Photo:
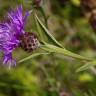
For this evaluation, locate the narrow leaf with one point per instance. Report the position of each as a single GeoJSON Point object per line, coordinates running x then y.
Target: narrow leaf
{"type": "Point", "coordinates": [39, 30]}
{"type": "Point", "coordinates": [47, 32]}
{"type": "Point", "coordinates": [32, 56]}
{"type": "Point", "coordinates": [86, 66]}
{"type": "Point", "coordinates": [52, 48]}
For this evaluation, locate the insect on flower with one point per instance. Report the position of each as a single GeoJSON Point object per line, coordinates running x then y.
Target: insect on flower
{"type": "Point", "coordinates": [12, 35]}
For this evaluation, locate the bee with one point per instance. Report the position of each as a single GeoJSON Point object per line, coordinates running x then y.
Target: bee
{"type": "Point", "coordinates": [29, 41]}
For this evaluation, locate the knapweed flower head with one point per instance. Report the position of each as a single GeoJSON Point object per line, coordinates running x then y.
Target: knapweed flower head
{"type": "Point", "coordinates": [11, 34]}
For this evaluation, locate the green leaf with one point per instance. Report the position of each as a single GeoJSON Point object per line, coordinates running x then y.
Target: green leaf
{"type": "Point", "coordinates": [47, 32]}
{"type": "Point", "coordinates": [32, 56]}
{"type": "Point", "coordinates": [87, 66]}
{"type": "Point", "coordinates": [42, 36]}
{"type": "Point", "coordinates": [52, 48]}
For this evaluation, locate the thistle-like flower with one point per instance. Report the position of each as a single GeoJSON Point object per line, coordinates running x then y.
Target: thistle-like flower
{"type": "Point", "coordinates": [11, 34]}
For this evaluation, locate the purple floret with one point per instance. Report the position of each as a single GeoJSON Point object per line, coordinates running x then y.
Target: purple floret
{"type": "Point", "coordinates": [17, 20]}
{"type": "Point", "coordinates": [10, 33]}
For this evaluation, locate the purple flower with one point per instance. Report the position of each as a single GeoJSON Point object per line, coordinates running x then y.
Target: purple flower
{"type": "Point", "coordinates": [10, 33]}
{"type": "Point", "coordinates": [17, 20]}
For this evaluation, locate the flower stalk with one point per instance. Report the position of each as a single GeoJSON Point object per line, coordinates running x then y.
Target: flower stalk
{"type": "Point", "coordinates": [55, 49]}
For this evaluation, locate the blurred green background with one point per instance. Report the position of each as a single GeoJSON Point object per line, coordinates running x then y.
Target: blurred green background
{"type": "Point", "coordinates": [53, 74]}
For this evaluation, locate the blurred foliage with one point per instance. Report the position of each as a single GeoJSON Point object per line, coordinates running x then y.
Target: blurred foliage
{"type": "Point", "coordinates": [52, 74]}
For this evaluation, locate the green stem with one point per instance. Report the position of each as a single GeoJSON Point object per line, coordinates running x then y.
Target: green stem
{"type": "Point", "coordinates": [32, 56]}
{"type": "Point", "coordinates": [52, 48]}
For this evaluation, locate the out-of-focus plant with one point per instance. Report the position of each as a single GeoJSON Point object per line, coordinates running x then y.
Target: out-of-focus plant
{"type": "Point", "coordinates": [52, 72]}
